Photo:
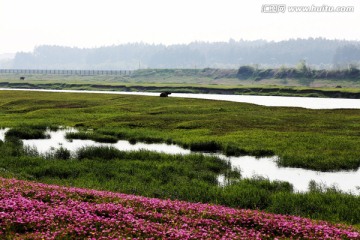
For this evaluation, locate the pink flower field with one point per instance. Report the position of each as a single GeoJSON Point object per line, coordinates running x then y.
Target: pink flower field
{"type": "Point", "coordinates": [38, 211]}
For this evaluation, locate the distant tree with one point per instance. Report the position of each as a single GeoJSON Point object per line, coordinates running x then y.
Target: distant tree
{"type": "Point", "coordinates": [282, 72]}
{"type": "Point", "coordinates": [303, 69]}
{"type": "Point", "coordinates": [301, 66]}
{"type": "Point", "coordinates": [246, 72]}
{"type": "Point", "coordinates": [231, 54]}
{"type": "Point", "coordinates": [353, 71]}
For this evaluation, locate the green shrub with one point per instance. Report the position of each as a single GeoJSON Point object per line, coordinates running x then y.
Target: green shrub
{"type": "Point", "coordinates": [26, 133]}
{"type": "Point", "coordinates": [62, 153]}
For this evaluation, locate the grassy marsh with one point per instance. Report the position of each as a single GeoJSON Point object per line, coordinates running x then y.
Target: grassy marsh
{"type": "Point", "coordinates": [316, 139]}
{"type": "Point", "coordinates": [223, 81]}
{"type": "Point", "coordinates": [190, 177]}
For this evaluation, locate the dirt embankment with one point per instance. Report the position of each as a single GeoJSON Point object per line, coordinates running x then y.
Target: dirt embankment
{"type": "Point", "coordinates": [193, 89]}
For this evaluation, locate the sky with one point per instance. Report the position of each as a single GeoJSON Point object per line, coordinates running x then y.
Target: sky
{"type": "Point", "coordinates": [25, 24]}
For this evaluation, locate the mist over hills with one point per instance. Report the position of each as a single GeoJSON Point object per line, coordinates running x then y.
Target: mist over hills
{"type": "Point", "coordinates": [317, 52]}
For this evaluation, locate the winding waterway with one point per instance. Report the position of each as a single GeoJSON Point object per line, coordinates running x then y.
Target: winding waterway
{"type": "Point", "coordinates": [348, 181]}
{"type": "Point", "coordinates": [273, 101]}
{"type": "Point", "coordinates": [249, 166]}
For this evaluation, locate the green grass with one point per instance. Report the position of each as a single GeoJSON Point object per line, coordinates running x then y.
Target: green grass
{"type": "Point", "coordinates": [27, 132]}
{"type": "Point", "coordinates": [92, 136]}
{"type": "Point", "coordinates": [251, 89]}
{"type": "Point", "coordinates": [316, 139]}
{"type": "Point", "coordinates": [185, 177]}
{"type": "Point", "coordinates": [222, 81]}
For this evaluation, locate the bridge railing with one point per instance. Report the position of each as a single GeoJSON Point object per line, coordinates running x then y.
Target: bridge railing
{"type": "Point", "coordinates": [66, 72]}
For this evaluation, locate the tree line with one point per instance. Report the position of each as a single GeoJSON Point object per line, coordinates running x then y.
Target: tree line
{"type": "Point", "coordinates": [300, 71]}
{"type": "Point", "coordinates": [319, 53]}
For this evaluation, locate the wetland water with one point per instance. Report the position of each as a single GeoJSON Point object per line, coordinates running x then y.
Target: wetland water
{"type": "Point", "coordinates": [249, 166]}
{"type": "Point", "coordinates": [275, 101]}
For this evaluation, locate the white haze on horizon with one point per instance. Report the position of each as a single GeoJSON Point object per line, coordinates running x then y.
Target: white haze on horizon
{"type": "Point", "coordinates": [26, 24]}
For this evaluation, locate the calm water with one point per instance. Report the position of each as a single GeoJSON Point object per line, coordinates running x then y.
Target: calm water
{"type": "Point", "coordinates": [249, 166]}
{"type": "Point", "coordinates": [276, 101]}
{"type": "Point", "coordinates": [300, 178]}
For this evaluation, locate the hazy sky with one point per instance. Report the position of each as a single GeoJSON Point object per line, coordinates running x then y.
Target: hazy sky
{"type": "Point", "coordinates": [25, 24]}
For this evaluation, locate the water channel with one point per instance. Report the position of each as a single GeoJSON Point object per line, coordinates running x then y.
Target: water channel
{"type": "Point", "coordinates": [249, 166]}
{"type": "Point", "coordinates": [273, 101]}
{"type": "Point", "coordinates": [348, 181]}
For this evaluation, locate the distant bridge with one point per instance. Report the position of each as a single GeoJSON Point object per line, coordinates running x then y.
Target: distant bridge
{"type": "Point", "coordinates": [67, 72]}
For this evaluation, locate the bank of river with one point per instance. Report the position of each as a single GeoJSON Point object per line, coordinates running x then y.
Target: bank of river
{"type": "Point", "coordinates": [276, 101]}
{"type": "Point", "coordinates": [198, 89]}
{"type": "Point", "coordinates": [249, 166]}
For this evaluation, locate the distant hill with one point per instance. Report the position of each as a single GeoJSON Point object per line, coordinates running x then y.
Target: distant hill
{"type": "Point", "coordinates": [318, 53]}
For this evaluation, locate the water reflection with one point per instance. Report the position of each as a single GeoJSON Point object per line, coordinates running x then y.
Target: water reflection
{"type": "Point", "coordinates": [57, 140]}
{"type": "Point", "coordinates": [300, 178]}
{"type": "Point", "coordinates": [348, 181]}
{"type": "Point", "coordinates": [2, 133]}
{"type": "Point", "coordinates": [281, 101]}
